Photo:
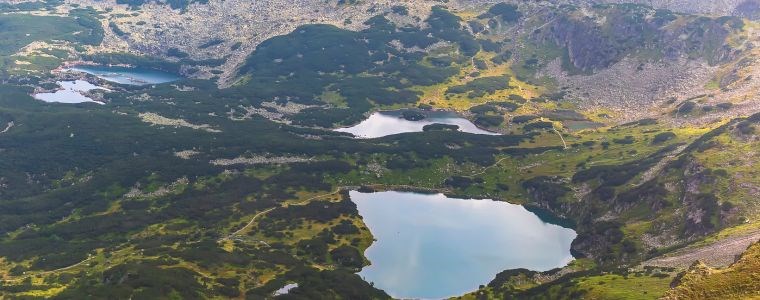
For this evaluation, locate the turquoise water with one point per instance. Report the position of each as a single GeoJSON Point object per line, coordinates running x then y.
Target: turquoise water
{"type": "Point", "coordinates": [384, 123]}
{"type": "Point", "coordinates": [432, 246]}
{"type": "Point", "coordinates": [132, 76]}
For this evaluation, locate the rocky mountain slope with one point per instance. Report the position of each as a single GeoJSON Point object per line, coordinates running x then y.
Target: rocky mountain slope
{"type": "Point", "coordinates": [737, 281]}
{"type": "Point", "coordinates": [739, 8]}
{"type": "Point", "coordinates": [637, 126]}
{"type": "Point", "coordinates": [642, 57]}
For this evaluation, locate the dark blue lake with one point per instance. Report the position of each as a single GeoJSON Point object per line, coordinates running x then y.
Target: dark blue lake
{"type": "Point", "coordinates": [124, 75]}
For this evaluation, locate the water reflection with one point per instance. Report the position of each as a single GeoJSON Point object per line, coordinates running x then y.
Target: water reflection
{"type": "Point", "coordinates": [432, 246]}
{"type": "Point", "coordinates": [124, 75]}
{"type": "Point", "coordinates": [71, 92]}
{"type": "Point", "coordinates": [385, 123]}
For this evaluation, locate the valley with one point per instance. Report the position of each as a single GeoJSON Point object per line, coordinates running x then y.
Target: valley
{"type": "Point", "coordinates": [302, 150]}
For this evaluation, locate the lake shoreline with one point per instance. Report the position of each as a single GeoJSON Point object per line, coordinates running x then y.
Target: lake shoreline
{"type": "Point", "coordinates": [124, 75]}
{"type": "Point", "coordinates": [459, 113]}
{"type": "Point", "coordinates": [401, 220]}
{"type": "Point", "coordinates": [381, 123]}
{"type": "Point", "coordinates": [545, 214]}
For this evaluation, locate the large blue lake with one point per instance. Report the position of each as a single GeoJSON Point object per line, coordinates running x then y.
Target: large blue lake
{"type": "Point", "coordinates": [124, 75]}
{"type": "Point", "coordinates": [384, 123]}
{"type": "Point", "coordinates": [431, 246]}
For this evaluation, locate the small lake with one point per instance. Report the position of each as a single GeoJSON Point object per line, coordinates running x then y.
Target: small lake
{"type": "Point", "coordinates": [71, 92]}
{"type": "Point", "coordinates": [385, 123]}
{"type": "Point", "coordinates": [124, 75]}
{"type": "Point", "coordinates": [431, 246]}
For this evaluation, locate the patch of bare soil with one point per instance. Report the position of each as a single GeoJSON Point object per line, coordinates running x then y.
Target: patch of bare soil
{"type": "Point", "coordinates": [719, 254]}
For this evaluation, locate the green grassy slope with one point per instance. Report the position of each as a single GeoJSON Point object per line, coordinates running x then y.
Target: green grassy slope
{"type": "Point", "coordinates": [97, 203]}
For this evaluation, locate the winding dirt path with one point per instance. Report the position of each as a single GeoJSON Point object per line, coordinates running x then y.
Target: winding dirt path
{"type": "Point", "coordinates": [483, 171]}
{"type": "Point", "coordinates": [250, 223]}
{"type": "Point", "coordinates": [264, 212]}
{"type": "Point", "coordinates": [564, 144]}
{"type": "Point", "coordinates": [30, 274]}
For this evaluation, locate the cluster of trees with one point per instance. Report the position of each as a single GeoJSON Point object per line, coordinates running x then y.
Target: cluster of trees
{"type": "Point", "coordinates": [507, 12]}
{"type": "Point", "coordinates": [616, 175]}
{"type": "Point", "coordinates": [88, 18]}
{"type": "Point", "coordinates": [18, 30]}
{"type": "Point", "coordinates": [30, 6]}
{"type": "Point", "coordinates": [523, 119]}
{"type": "Point", "coordinates": [143, 279]}
{"type": "Point", "coordinates": [540, 125]}
{"type": "Point", "coordinates": [316, 284]}
{"type": "Point", "coordinates": [302, 65]}
{"type": "Point", "coordinates": [481, 86]}
{"type": "Point", "coordinates": [317, 211]}
{"type": "Point", "coordinates": [440, 127]}
{"type": "Point", "coordinates": [546, 191]}
{"type": "Point", "coordinates": [663, 137]}
{"type": "Point", "coordinates": [461, 182]}
{"type": "Point", "coordinates": [104, 163]}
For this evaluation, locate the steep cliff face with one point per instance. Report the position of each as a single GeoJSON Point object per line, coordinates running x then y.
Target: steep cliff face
{"type": "Point", "coordinates": [701, 214]}
{"type": "Point", "coordinates": [595, 38]}
{"type": "Point", "coordinates": [623, 215]}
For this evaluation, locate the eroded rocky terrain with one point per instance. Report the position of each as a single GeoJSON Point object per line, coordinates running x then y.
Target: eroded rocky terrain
{"type": "Point", "coordinates": [226, 32]}
{"type": "Point", "coordinates": [634, 125]}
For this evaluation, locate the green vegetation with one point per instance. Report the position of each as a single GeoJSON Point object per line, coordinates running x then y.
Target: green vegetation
{"type": "Point", "coordinates": [18, 30]}
{"type": "Point", "coordinates": [440, 127]}
{"type": "Point", "coordinates": [739, 281]}
{"type": "Point", "coordinates": [361, 67]}
{"type": "Point", "coordinates": [615, 284]}
{"type": "Point", "coordinates": [97, 203]}
{"type": "Point", "coordinates": [507, 12]}
{"type": "Point", "coordinates": [481, 86]}
{"type": "Point", "coordinates": [116, 30]}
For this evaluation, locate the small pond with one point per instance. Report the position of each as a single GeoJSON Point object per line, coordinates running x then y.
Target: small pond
{"type": "Point", "coordinates": [385, 123]}
{"type": "Point", "coordinates": [433, 246]}
{"type": "Point", "coordinates": [71, 92]}
{"type": "Point", "coordinates": [285, 289]}
{"type": "Point", "coordinates": [125, 75]}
